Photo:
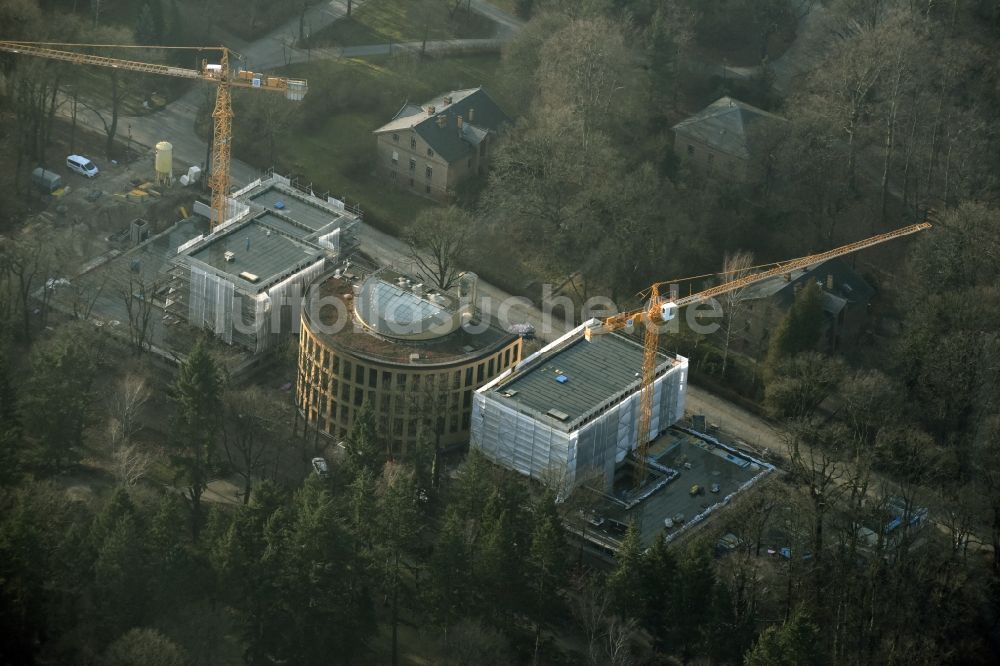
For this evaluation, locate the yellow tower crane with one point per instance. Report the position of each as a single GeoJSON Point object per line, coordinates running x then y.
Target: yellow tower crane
{"type": "Point", "coordinates": [219, 74]}
{"type": "Point", "coordinates": [658, 311]}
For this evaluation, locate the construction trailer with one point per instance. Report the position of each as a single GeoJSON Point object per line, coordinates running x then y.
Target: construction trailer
{"type": "Point", "coordinates": [569, 413]}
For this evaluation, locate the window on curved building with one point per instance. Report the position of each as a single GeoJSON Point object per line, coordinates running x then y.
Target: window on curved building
{"type": "Point", "coordinates": [359, 397]}
{"type": "Point", "coordinates": [468, 376]}
{"type": "Point", "coordinates": [479, 372]}
{"type": "Point", "coordinates": [346, 372]}
{"type": "Point", "coordinates": [359, 374]}
{"type": "Point", "coordinates": [372, 377]}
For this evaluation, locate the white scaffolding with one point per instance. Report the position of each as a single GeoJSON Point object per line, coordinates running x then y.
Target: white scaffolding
{"type": "Point", "coordinates": [545, 449]}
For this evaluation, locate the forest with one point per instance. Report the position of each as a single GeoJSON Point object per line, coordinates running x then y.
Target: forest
{"type": "Point", "coordinates": [118, 547]}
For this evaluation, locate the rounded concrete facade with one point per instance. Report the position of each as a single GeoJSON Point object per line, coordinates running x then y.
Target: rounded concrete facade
{"type": "Point", "coordinates": [412, 385]}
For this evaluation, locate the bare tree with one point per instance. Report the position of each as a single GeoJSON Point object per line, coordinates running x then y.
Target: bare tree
{"type": "Point", "coordinates": [438, 240]}
{"type": "Point", "coordinates": [618, 639]}
{"type": "Point", "coordinates": [734, 267]}
{"type": "Point", "coordinates": [126, 405]}
{"type": "Point", "coordinates": [248, 435]}
{"type": "Point", "coordinates": [131, 464]}
{"type": "Point", "coordinates": [591, 604]}
{"type": "Point", "coordinates": [138, 299]}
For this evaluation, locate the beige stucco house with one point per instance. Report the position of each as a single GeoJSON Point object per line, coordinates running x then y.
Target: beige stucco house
{"type": "Point", "coordinates": [724, 137]}
{"type": "Point", "coordinates": [430, 148]}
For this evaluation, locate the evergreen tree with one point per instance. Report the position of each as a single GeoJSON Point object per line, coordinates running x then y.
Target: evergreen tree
{"type": "Point", "coordinates": [11, 431]}
{"type": "Point", "coordinates": [625, 582]}
{"type": "Point", "coordinates": [198, 397]}
{"type": "Point", "coordinates": [145, 27]}
{"type": "Point", "coordinates": [144, 647]}
{"type": "Point", "coordinates": [799, 331]}
{"type": "Point", "coordinates": [60, 393]}
{"type": "Point", "coordinates": [795, 643]}
{"type": "Point", "coordinates": [659, 580]}
{"type": "Point", "coordinates": [121, 578]}
{"type": "Point", "coordinates": [448, 588]}
{"type": "Point", "coordinates": [363, 450]}
{"type": "Point", "coordinates": [692, 606]}
{"type": "Point", "coordinates": [499, 566]}
{"type": "Point", "coordinates": [547, 559]}
{"type": "Point", "coordinates": [397, 521]}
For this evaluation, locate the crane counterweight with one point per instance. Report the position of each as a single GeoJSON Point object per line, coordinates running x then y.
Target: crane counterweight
{"type": "Point", "coordinates": [219, 74]}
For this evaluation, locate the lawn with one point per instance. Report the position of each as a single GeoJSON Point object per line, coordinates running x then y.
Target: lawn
{"type": "Point", "coordinates": [329, 141]}
{"type": "Point", "coordinates": [381, 21]}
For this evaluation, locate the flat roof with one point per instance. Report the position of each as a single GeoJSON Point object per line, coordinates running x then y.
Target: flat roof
{"type": "Point", "coordinates": [257, 249]}
{"type": "Point", "coordinates": [701, 464]}
{"type": "Point", "coordinates": [457, 346]}
{"type": "Point", "coordinates": [309, 214]}
{"type": "Point", "coordinates": [577, 378]}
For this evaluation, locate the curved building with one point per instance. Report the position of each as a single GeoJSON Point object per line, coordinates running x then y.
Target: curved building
{"type": "Point", "coordinates": [416, 354]}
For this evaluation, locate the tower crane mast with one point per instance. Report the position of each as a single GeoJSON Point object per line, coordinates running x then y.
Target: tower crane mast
{"type": "Point", "coordinates": [219, 74]}
{"type": "Point", "coordinates": [659, 310]}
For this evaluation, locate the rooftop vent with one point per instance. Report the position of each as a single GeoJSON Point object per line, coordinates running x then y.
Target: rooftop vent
{"type": "Point", "coordinates": [447, 99]}
{"type": "Point", "coordinates": [558, 415]}
{"type": "Point", "coordinates": [249, 277]}
{"type": "Point", "coordinates": [414, 358]}
{"type": "Point", "coordinates": [229, 255]}
{"type": "Point", "coordinates": [430, 110]}
{"type": "Point", "coordinates": [509, 394]}
{"type": "Point", "coordinates": [562, 379]}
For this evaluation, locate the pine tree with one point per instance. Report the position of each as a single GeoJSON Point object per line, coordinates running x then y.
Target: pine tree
{"type": "Point", "coordinates": [625, 582]}
{"type": "Point", "coordinates": [449, 577]}
{"type": "Point", "coordinates": [198, 396]}
{"type": "Point", "coordinates": [363, 450]}
{"type": "Point", "coordinates": [659, 573]}
{"type": "Point", "coordinates": [121, 578]}
{"type": "Point", "coordinates": [10, 425]}
{"type": "Point", "coordinates": [795, 643]}
{"type": "Point", "coordinates": [547, 558]}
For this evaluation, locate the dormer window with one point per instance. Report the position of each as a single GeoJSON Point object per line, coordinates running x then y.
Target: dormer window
{"type": "Point", "coordinates": [430, 152]}
{"type": "Point", "coordinates": [395, 137]}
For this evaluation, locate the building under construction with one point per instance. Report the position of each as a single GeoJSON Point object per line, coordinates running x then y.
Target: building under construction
{"type": "Point", "coordinates": [413, 352]}
{"type": "Point", "coordinates": [245, 280]}
{"type": "Point", "coordinates": [569, 413]}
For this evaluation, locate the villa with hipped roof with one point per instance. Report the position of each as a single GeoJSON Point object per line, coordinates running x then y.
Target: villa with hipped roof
{"type": "Point", "coordinates": [431, 148]}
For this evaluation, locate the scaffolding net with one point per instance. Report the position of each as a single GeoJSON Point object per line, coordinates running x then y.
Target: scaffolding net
{"type": "Point", "coordinates": [211, 303]}
{"type": "Point", "coordinates": [530, 443]}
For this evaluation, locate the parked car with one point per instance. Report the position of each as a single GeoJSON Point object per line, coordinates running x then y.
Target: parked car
{"type": "Point", "coordinates": [696, 490]}
{"type": "Point", "coordinates": [82, 166]}
{"type": "Point", "coordinates": [668, 523]}
{"type": "Point", "coordinates": [716, 487]}
{"type": "Point", "coordinates": [678, 518]}
{"type": "Point", "coordinates": [319, 466]}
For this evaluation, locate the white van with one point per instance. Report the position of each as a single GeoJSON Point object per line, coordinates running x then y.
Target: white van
{"type": "Point", "coordinates": [82, 166]}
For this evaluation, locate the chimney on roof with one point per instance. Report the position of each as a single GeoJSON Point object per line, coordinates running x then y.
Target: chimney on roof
{"type": "Point", "coordinates": [829, 281]}
{"type": "Point", "coordinates": [430, 110]}
{"type": "Point", "coordinates": [442, 120]}
{"type": "Point", "coordinates": [471, 114]}
{"type": "Point", "coordinates": [447, 99]}
{"type": "Point", "coordinates": [458, 119]}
